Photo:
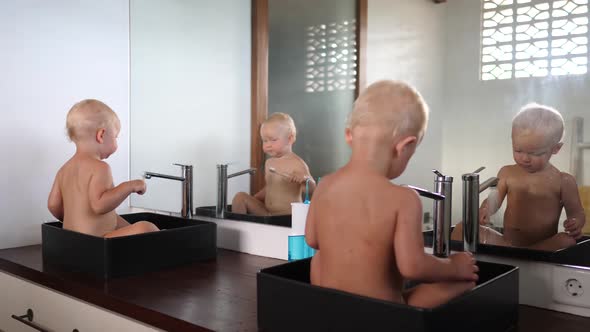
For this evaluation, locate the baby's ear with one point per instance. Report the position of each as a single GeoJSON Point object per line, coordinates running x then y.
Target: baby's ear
{"type": "Point", "coordinates": [348, 136]}
{"type": "Point", "coordinates": [556, 148]}
{"type": "Point", "coordinates": [404, 144]}
{"type": "Point", "coordinates": [100, 135]}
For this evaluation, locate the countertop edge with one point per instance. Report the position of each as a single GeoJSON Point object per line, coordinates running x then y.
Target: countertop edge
{"type": "Point", "coordinates": [87, 294]}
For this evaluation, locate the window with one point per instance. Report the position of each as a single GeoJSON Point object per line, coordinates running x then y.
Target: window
{"type": "Point", "coordinates": [533, 38]}
{"type": "Point", "coordinates": [331, 57]}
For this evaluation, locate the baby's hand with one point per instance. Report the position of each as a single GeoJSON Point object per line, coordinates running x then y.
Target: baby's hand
{"type": "Point", "coordinates": [465, 267]}
{"type": "Point", "coordinates": [298, 179]}
{"type": "Point", "coordinates": [484, 216]}
{"type": "Point", "coordinates": [139, 186]}
{"type": "Point", "coordinates": [573, 226]}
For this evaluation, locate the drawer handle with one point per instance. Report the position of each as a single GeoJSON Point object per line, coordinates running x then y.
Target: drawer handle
{"type": "Point", "coordinates": [27, 319]}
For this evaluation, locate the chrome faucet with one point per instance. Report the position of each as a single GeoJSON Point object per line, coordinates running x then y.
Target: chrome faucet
{"type": "Point", "coordinates": [442, 215]}
{"type": "Point", "coordinates": [471, 191]}
{"type": "Point", "coordinates": [222, 178]}
{"type": "Point", "coordinates": [187, 187]}
{"type": "Point", "coordinates": [439, 201]}
{"type": "Point", "coordinates": [425, 193]}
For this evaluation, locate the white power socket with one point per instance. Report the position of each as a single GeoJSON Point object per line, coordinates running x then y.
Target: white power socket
{"type": "Point", "coordinates": [571, 286]}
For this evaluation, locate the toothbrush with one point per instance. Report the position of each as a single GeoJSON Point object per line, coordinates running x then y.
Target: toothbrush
{"type": "Point", "coordinates": [274, 170]}
{"type": "Point", "coordinates": [287, 176]}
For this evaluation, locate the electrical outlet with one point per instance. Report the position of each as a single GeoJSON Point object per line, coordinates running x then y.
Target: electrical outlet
{"type": "Point", "coordinates": [571, 286]}
{"type": "Point", "coordinates": [574, 287]}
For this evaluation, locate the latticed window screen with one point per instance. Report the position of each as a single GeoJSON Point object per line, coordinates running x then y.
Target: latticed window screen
{"type": "Point", "coordinates": [331, 57]}
{"type": "Point", "coordinates": [534, 38]}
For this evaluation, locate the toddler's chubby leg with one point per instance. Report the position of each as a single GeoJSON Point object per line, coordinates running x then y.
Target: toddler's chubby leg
{"type": "Point", "coordinates": [556, 242]}
{"type": "Point", "coordinates": [435, 294]}
{"type": "Point", "coordinates": [246, 204]}
{"type": "Point", "coordinates": [135, 228]}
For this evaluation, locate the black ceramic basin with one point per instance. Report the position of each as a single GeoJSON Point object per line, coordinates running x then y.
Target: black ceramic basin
{"type": "Point", "coordinates": [182, 241]}
{"type": "Point", "coordinates": [288, 302]}
{"type": "Point", "coordinates": [577, 255]}
{"type": "Point", "coordinates": [209, 211]}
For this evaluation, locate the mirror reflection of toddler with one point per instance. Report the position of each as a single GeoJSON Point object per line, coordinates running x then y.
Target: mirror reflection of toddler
{"type": "Point", "coordinates": [536, 191]}
{"type": "Point", "coordinates": [286, 174]}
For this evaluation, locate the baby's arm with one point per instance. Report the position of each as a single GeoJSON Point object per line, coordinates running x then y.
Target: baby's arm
{"type": "Point", "coordinates": [121, 222]}
{"type": "Point", "coordinates": [491, 205]}
{"type": "Point", "coordinates": [412, 262]}
{"type": "Point", "coordinates": [55, 201]}
{"type": "Point", "coordinates": [302, 175]}
{"type": "Point", "coordinates": [310, 229]}
{"type": "Point", "coordinates": [573, 206]}
{"type": "Point", "coordinates": [261, 195]}
{"type": "Point", "coordinates": [103, 196]}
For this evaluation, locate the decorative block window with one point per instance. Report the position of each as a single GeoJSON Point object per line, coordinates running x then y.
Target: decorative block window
{"type": "Point", "coordinates": [331, 57]}
{"type": "Point", "coordinates": [533, 38]}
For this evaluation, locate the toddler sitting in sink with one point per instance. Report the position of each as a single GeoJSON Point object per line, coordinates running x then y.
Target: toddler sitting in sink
{"type": "Point", "coordinates": [536, 190]}
{"type": "Point", "coordinates": [83, 195]}
{"type": "Point", "coordinates": [368, 231]}
{"type": "Point", "coordinates": [285, 173]}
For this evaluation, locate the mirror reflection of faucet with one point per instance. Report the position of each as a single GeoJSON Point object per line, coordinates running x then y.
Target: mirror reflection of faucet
{"type": "Point", "coordinates": [471, 191]}
{"type": "Point", "coordinates": [187, 187]}
{"type": "Point", "coordinates": [222, 178]}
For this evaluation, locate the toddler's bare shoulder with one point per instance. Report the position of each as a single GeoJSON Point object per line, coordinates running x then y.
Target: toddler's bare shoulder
{"type": "Point", "coordinates": [99, 166]}
{"type": "Point", "coordinates": [299, 162]}
{"type": "Point", "coordinates": [507, 171]}
{"type": "Point", "coordinates": [567, 179]}
{"type": "Point", "coordinates": [403, 194]}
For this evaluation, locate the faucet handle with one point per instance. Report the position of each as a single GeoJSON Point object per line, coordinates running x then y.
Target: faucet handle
{"type": "Point", "coordinates": [479, 169]}
{"type": "Point", "coordinates": [439, 174]}
{"type": "Point", "coordinates": [181, 165]}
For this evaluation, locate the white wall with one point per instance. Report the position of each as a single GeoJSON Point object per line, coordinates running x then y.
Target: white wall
{"type": "Point", "coordinates": [406, 41]}
{"type": "Point", "coordinates": [53, 54]}
{"type": "Point", "coordinates": [478, 114]}
{"type": "Point", "coordinates": [190, 95]}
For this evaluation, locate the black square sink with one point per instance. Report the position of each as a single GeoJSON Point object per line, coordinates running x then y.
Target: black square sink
{"type": "Point", "coordinates": [577, 255]}
{"type": "Point", "coordinates": [181, 241]}
{"type": "Point", "coordinates": [288, 302]}
{"type": "Point", "coordinates": [282, 220]}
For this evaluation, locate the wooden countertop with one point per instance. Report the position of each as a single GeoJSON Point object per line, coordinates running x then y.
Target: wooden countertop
{"type": "Point", "coordinates": [217, 295]}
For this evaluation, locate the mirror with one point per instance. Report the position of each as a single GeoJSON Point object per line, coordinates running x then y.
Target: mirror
{"type": "Point", "coordinates": [475, 62]}
{"type": "Point", "coordinates": [312, 75]}
{"type": "Point", "coordinates": [501, 55]}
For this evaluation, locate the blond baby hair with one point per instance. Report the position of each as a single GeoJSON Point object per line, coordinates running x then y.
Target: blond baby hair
{"type": "Point", "coordinates": [392, 105]}
{"type": "Point", "coordinates": [88, 116]}
{"type": "Point", "coordinates": [284, 120]}
{"type": "Point", "coordinates": [539, 118]}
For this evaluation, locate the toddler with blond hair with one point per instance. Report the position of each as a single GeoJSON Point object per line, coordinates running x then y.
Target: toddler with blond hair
{"type": "Point", "coordinates": [368, 231]}
{"type": "Point", "coordinates": [83, 195]}
{"type": "Point", "coordinates": [285, 173]}
{"type": "Point", "coordinates": [536, 191]}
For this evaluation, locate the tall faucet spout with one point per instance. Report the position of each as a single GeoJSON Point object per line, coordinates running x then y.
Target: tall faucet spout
{"type": "Point", "coordinates": [246, 171]}
{"type": "Point", "coordinates": [441, 225]}
{"type": "Point", "coordinates": [222, 178]}
{"type": "Point", "coordinates": [425, 193]}
{"type": "Point", "coordinates": [149, 175]}
{"type": "Point", "coordinates": [491, 182]}
{"type": "Point", "coordinates": [187, 187]}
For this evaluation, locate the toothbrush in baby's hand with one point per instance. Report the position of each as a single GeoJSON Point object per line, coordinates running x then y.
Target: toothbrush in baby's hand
{"type": "Point", "coordinates": [274, 170]}
{"type": "Point", "coordinates": [290, 177]}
